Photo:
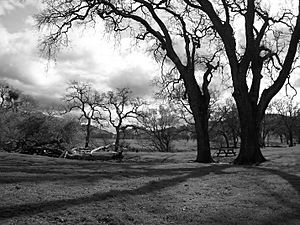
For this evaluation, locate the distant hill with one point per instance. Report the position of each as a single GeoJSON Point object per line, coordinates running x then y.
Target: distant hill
{"type": "Point", "coordinates": [99, 133]}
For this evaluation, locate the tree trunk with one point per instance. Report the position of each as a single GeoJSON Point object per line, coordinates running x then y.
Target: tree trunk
{"type": "Point", "coordinates": [268, 140]}
{"type": "Point", "coordinates": [199, 102]}
{"type": "Point", "coordinates": [235, 141]}
{"type": "Point", "coordinates": [226, 140]}
{"type": "Point", "coordinates": [281, 138]}
{"type": "Point", "coordinates": [286, 139]}
{"type": "Point", "coordinates": [117, 142]}
{"type": "Point", "coordinates": [203, 147]}
{"type": "Point", "coordinates": [291, 139]}
{"type": "Point", "coordinates": [262, 141]}
{"type": "Point", "coordinates": [250, 152]}
{"type": "Point", "coordinates": [168, 146]}
{"type": "Point", "coordinates": [200, 114]}
{"type": "Point", "coordinates": [88, 132]}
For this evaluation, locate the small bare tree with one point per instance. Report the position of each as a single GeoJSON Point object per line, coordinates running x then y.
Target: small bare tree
{"type": "Point", "coordinates": [121, 109]}
{"type": "Point", "coordinates": [83, 98]}
{"type": "Point", "coordinates": [160, 126]}
{"type": "Point", "coordinates": [288, 110]}
{"type": "Point", "coordinates": [226, 123]}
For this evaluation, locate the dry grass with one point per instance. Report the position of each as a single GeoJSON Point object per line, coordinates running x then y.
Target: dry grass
{"type": "Point", "coordinates": [144, 144]}
{"type": "Point", "coordinates": [149, 188]}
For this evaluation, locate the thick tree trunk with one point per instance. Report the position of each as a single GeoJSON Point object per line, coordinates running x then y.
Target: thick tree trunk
{"type": "Point", "coordinates": [200, 114]}
{"type": "Point", "coordinates": [250, 152]}
{"type": "Point", "coordinates": [203, 147]}
{"type": "Point", "coordinates": [88, 132]}
{"type": "Point", "coordinates": [117, 142]}
{"type": "Point", "coordinates": [199, 102]}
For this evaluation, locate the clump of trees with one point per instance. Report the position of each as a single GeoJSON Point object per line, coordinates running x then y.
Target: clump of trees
{"type": "Point", "coordinates": [29, 128]}
{"type": "Point", "coordinates": [288, 112]}
{"type": "Point", "coordinates": [25, 128]}
{"type": "Point", "coordinates": [116, 109]}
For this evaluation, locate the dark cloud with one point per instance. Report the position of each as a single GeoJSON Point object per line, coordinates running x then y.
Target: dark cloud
{"type": "Point", "coordinates": [12, 66]}
{"type": "Point", "coordinates": [136, 78]}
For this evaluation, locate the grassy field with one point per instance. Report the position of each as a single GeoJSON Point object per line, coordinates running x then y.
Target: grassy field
{"type": "Point", "coordinates": [150, 188]}
{"type": "Point", "coordinates": [145, 145]}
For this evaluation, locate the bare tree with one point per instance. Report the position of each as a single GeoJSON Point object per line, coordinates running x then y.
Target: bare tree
{"type": "Point", "coordinates": [160, 125]}
{"type": "Point", "coordinates": [175, 30]}
{"type": "Point", "coordinates": [121, 109]}
{"type": "Point", "coordinates": [226, 122]}
{"type": "Point", "coordinates": [81, 97]}
{"type": "Point", "coordinates": [288, 110]}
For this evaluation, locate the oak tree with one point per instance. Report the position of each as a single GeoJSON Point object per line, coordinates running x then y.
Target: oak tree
{"type": "Point", "coordinates": [81, 97]}
{"type": "Point", "coordinates": [120, 109]}
{"type": "Point", "coordinates": [174, 31]}
{"type": "Point", "coordinates": [268, 49]}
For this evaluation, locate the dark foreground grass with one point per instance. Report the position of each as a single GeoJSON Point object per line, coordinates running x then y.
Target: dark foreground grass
{"type": "Point", "coordinates": [149, 188]}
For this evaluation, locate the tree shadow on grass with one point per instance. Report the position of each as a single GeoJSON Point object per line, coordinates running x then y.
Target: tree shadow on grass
{"type": "Point", "coordinates": [292, 179]}
{"type": "Point", "coordinates": [124, 171]}
{"type": "Point", "coordinates": [292, 216]}
{"type": "Point", "coordinates": [56, 205]}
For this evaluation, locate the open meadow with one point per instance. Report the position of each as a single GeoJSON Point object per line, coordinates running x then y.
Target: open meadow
{"type": "Point", "coordinates": [150, 188]}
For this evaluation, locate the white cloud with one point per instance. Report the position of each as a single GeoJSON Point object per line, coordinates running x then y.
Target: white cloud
{"type": "Point", "coordinates": [9, 5]}
{"type": "Point", "coordinates": [94, 57]}
{"type": "Point", "coordinates": [90, 56]}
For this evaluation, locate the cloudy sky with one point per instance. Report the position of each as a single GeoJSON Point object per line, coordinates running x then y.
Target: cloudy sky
{"type": "Point", "coordinates": [91, 56]}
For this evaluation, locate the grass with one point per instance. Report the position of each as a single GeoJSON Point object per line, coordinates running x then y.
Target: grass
{"type": "Point", "coordinates": [150, 188]}
{"type": "Point", "coordinates": [144, 144]}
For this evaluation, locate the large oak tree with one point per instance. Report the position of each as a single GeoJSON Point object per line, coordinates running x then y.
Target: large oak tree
{"type": "Point", "coordinates": [174, 30]}
{"type": "Point", "coordinates": [271, 43]}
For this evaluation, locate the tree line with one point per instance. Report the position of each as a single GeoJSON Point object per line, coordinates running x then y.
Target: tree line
{"type": "Point", "coordinates": [31, 128]}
